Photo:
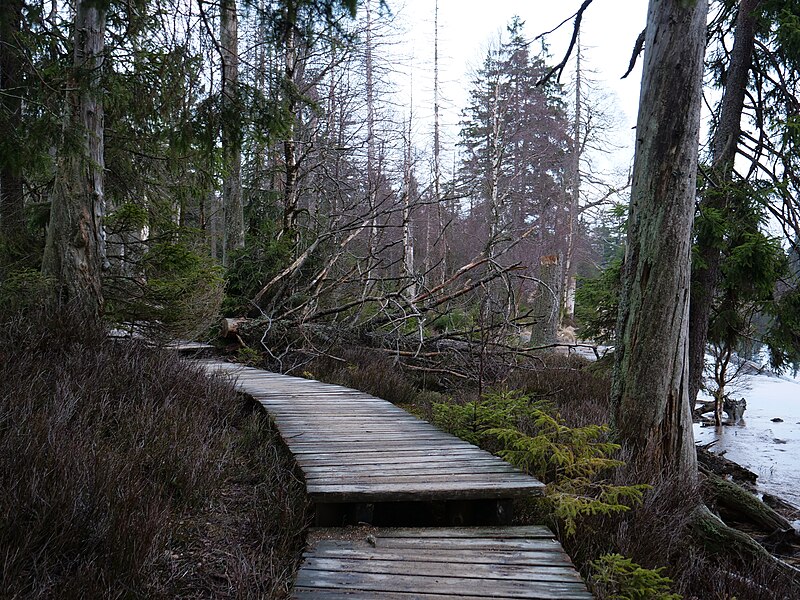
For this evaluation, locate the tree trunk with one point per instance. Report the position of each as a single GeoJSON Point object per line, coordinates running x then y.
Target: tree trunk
{"type": "Point", "coordinates": [75, 250]}
{"type": "Point", "coordinates": [569, 284]}
{"type": "Point", "coordinates": [291, 166]}
{"type": "Point", "coordinates": [706, 272]}
{"type": "Point", "coordinates": [373, 176]}
{"type": "Point", "coordinates": [650, 395]}
{"type": "Point", "coordinates": [735, 503]}
{"type": "Point", "coordinates": [410, 289]}
{"type": "Point", "coordinates": [441, 231]}
{"type": "Point", "coordinates": [233, 234]}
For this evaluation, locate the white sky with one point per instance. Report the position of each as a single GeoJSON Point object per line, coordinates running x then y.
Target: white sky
{"type": "Point", "coordinates": [608, 33]}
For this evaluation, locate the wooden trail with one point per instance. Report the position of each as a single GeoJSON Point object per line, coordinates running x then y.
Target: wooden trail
{"type": "Point", "coordinates": [355, 448]}
{"type": "Point", "coordinates": [364, 459]}
{"type": "Point", "coordinates": [441, 563]}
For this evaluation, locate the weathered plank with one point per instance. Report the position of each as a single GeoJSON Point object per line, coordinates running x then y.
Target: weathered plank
{"type": "Point", "coordinates": [353, 447]}
{"type": "Point", "coordinates": [458, 563]}
{"type": "Point", "coordinates": [420, 491]}
{"type": "Point", "coordinates": [424, 568]}
{"type": "Point", "coordinates": [528, 558]}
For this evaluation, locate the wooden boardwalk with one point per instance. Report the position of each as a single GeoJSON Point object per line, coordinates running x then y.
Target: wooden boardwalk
{"type": "Point", "coordinates": [355, 448]}
{"type": "Point", "coordinates": [357, 452]}
{"type": "Point", "coordinates": [464, 563]}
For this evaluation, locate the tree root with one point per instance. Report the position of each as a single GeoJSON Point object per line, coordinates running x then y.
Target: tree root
{"type": "Point", "coordinates": [736, 503]}
{"type": "Point", "coordinates": [716, 537]}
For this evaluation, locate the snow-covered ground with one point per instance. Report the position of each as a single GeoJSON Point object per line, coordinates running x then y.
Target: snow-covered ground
{"type": "Point", "coordinates": [769, 448]}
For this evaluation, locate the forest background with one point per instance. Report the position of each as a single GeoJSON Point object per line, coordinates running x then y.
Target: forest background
{"type": "Point", "coordinates": [167, 162]}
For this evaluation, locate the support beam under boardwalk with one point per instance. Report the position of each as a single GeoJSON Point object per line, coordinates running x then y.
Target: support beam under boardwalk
{"type": "Point", "coordinates": [443, 563]}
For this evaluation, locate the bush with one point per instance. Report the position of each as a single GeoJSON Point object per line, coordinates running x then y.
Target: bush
{"type": "Point", "coordinates": [597, 303]}
{"type": "Point", "coordinates": [177, 292]}
{"type": "Point", "coordinates": [251, 267]}
{"type": "Point", "coordinates": [22, 291]}
{"type": "Point", "coordinates": [571, 460]}
{"type": "Point", "coordinates": [619, 578]}
{"type": "Point", "coordinates": [125, 472]}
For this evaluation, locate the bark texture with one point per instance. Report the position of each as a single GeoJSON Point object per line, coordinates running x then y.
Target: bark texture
{"type": "Point", "coordinates": [233, 235]}
{"type": "Point", "coordinates": [291, 165]}
{"type": "Point", "coordinates": [706, 273]}
{"type": "Point", "coordinates": [75, 251]}
{"type": "Point", "coordinates": [650, 395]}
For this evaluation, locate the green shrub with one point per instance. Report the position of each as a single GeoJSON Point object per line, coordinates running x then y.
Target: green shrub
{"type": "Point", "coordinates": [619, 578]}
{"type": "Point", "coordinates": [570, 460]}
{"type": "Point", "coordinates": [597, 303]}
{"type": "Point", "coordinates": [177, 293]}
{"type": "Point", "coordinates": [23, 290]}
{"type": "Point", "coordinates": [453, 320]}
{"type": "Point", "coordinates": [249, 268]}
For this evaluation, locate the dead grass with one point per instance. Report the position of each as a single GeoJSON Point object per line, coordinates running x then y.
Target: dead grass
{"type": "Point", "coordinates": [126, 473]}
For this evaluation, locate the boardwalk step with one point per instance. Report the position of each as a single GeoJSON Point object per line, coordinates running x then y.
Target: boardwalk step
{"type": "Point", "coordinates": [505, 562]}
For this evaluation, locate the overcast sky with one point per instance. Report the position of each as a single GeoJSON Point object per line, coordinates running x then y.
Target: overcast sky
{"type": "Point", "coordinates": [608, 33]}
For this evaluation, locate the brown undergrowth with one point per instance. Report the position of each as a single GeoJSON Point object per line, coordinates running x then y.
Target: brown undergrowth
{"type": "Point", "coordinates": [127, 473]}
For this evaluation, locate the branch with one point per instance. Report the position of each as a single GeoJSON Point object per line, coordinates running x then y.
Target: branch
{"type": "Point", "coordinates": [559, 68]}
{"type": "Point", "coordinates": [637, 50]}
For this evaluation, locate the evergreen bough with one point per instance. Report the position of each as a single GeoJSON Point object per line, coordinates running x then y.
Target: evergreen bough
{"type": "Point", "coordinates": [572, 461]}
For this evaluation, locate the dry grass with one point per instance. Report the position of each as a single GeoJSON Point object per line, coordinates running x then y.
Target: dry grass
{"type": "Point", "coordinates": [126, 473]}
{"type": "Point", "coordinates": [367, 370]}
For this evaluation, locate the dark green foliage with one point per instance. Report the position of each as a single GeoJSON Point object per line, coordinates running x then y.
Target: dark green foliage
{"type": "Point", "coordinates": [571, 460]}
{"type": "Point", "coordinates": [126, 218]}
{"type": "Point", "coordinates": [175, 290]}
{"type": "Point", "coordinates": [454, 320]}
{"type": "Point", "coordinates": [619, 578]}
{"type": "Point", "coordinates": [262, 258]}
{"type": "Point", "coordinates": [124, 473]}
{"type": "Point", "coordinates": [22, 291]}
{"type": "Point", "coordinates": [753, 267]}
{"type": "Point", "coordinates": [597, 302]}
{"type": "Point", "coordinates": [783, 335]}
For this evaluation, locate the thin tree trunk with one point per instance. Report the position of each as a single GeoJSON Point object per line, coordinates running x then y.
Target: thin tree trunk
{"type": "Point", "coordinates": [233, 232]}
{"type": "Point", "coordinates": [75, 250]}
{"type": "Point", "coordinates": [437, 169]}
{"type": "Point", "coordinates": [372, 176]}
{"type": "Point", "coordinates": [706, 272]}
{"type": "Point", "coordinates": [408, 239]}
{"type": "Point", "coordinates": [568, 306]}
{"type": "Point", "coordinates": [289, 146]}
{"type": "Point", "coordinates": [650, 395]}
{"type": "Point", "coordinates": [11, 199]}
{"type": "Point", "coordinates": [494, 156]}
